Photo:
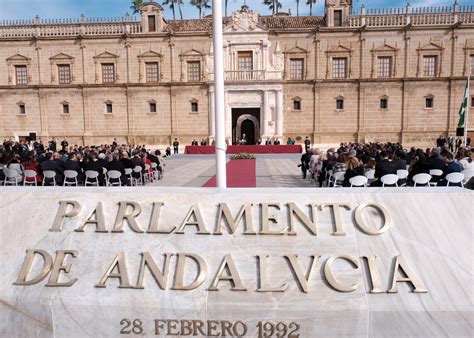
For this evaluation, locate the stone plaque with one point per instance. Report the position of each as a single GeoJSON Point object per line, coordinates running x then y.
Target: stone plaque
{"type": "Point", "coordinates": [89, 262]}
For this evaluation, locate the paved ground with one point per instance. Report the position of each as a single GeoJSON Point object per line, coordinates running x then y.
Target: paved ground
{"type": "Point", "coordinates": [273, 170]}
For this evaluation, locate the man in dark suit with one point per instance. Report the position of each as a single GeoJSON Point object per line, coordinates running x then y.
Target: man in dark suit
{"type": "Point", "coordinates": [277, 142]}
{"type": "Point", "coordinates": [94, 164]}
{"type": "Point", "coordinates": [53, 165]}
{"type": "Point", "coordinates": [137, 161]}
{"type": "Point", "coordinates": [117, 165]}
{"type": "Point", "coordinates": [307, 144]}
{"type": "Point", "coordinates": [268, 142]}
{"type": "Point", "coordinates": [73, 164]}
{"type": "Point", "coordinates": [383, 167]}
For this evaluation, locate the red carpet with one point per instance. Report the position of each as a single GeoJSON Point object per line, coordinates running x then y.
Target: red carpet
{"type": "Point", "coordinates": [240, 174]}
{"type": "Point", "coordinates": [249, 149]}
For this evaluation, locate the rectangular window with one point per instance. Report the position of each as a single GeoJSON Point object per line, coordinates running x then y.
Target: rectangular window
{"type": "Point", "coordinates": [245, 61]}
{"type": "Point", "coordinates": [194, 71]}
{"type": "Point", "coordinates": [22, 109]}
{"type": "Point", "coordinates": [194, 107]}
{"type": "Point", "coordinates": [339, 68]}
{"type": "Point", "coordinates": [296, 104]}
{"type": "Point", "coordinates": [108, 73]}
{"type": "Point", "coordinates": [151, 71]}
{"type": "Point", "coordinates": [65, 108]}
{"type": "Point", "coordinates": [472, 101]}
{"type": "Point", "coordinates": [384, 68]}
{"type": "Point", "coordinates": [338, 18]}
{"type": "Point", "coordinates": [151, 23]}
{"type": "Point", "coordinates": [430, 65]}
{"type": "Point", "coordinates": [152, 107]}
{"type": "Point", "coordinates": [108, 108]}
{"type": "Point", "coordinates": [383, 103]}
{"type": "Point", "coordinates": [64, 74]}
{"type": "Point", "coordinates": [429, 102]}
{"type": "Point", "coordinates": [21, 73]}
{"type": "Point", "coordinates": [340, 104]}
{"type": "Point", "coordinates": [296, 69]}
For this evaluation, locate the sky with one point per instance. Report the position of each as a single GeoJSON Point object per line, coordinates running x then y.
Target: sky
{"type": "Point", "coordinates": [28, 9]}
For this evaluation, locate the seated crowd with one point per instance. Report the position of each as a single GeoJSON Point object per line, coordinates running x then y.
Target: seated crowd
{"type": "Point", "coordinates": [376, 160]}
{"type": "Point", "coordinates": [102, 165]}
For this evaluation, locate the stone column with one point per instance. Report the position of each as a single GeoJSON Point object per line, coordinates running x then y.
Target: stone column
{"type": "Point", "coordinates": [228, 118]}
{"type": "Point", "coordinates": [212, 117]}
{"type": "Point", "coordinates": [279, 113]}
{"type": "Point", "coordinates": [265, 117]}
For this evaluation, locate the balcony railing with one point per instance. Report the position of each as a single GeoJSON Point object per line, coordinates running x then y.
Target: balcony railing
{"type": "Point", "coordinates": [251, 75]}
{"type": "Point", "coordinates": [420, 16]}
{"type": "Point", "coordinates": [69, 27]}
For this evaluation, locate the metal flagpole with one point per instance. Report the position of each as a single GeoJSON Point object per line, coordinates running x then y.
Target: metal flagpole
{"type": "Point", "coordinates": [467, 106]}
{"type": "Point", "coordinates": [220, 145]}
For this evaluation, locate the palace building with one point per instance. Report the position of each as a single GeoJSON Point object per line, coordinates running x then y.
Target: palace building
{"type": "Point", "coordinates": [372, 75]}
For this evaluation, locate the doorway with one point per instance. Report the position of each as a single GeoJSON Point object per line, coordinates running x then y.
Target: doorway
{"type": "Point", "coordinates": [245, 121]}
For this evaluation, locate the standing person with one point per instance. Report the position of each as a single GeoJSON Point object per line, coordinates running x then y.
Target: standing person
{"type": "Point", "coordinates": [175, 146]}
{"type": "Point", "coordinates": [305, 159]}
{"type": "Point", "coordinates": [451, 143]}
{"type": "Point", "coordinates": [243, 141]}
{"type": "Point", "coordinates": [277, 142]}
{"type": "Point", "coordinates": [268, 142]}
{"type": "Point", "coordinates": [114, 143]}
{"type": "Point", "coordinates": [307, 143]}
{"type": "Point", "coordinates": [52, 145]}
{"type": "Point", "coordinates": [64, 145]}
{"type": "Point", "coordinates": [440, 142]}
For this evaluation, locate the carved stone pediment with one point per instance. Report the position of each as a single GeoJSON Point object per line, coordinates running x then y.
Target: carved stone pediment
{"type": "Point", "coordinates": [385, 48]}
{"type": "Point", "coordinates": [431, 46]}
{"type": "Point", "coordinates": [61, 57]}
{"type": "Point", "coordinates": [244, 20]}
{"type": "Point", "coordinates": [296, 50]}
{"type": "Point", "coordinates": [150, 54]}
{"type": "Point", "coordinates": [106, 55]}
{"type": "Point", "coordinates": [340, 48]}
{"type": "Point", "coordinates": [18, 58]}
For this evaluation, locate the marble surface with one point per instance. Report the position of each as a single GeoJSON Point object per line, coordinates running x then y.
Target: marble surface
{"type": "Point", "coordinates": [432, 229]}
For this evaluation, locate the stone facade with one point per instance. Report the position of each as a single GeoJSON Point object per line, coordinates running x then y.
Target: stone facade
{"type": "Point", "coordinates": [392, 75]}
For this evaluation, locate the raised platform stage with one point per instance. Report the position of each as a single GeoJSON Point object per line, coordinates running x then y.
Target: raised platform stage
{"type": "Point", "coordinates": [250, 149]}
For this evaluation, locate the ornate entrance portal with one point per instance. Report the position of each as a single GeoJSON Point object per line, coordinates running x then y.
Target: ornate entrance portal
{"type": "Point", "coordinates": [246, 121]}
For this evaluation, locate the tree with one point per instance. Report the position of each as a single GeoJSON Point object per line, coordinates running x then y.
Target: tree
{"type": "Point", "coordinates": [135, 7]}
{"type": "Point", "coordinates": [273, 5]}
{"type": "Point", "coordinates": [172, 5]}
{"type": "Point", "coordinates": [225, 6]}
{"type": "Point", "coordinates": [200, 5]}
{"type": "Point", "coordinates": [310, 3]}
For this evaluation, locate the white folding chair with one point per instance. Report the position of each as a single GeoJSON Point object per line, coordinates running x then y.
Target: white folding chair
{"type": "Point", "coordinates": [402, 175]}
{"type": "Point", "coordinates": [389, 179]}
{"type": "Point", "coordinates": [147, 175]}
{"type": "Point", "coordinates": [338, 178]}
{"type": "Point", "coordinates": [358, 181]}
{"type": "Point", "coordinates": [92, 178]}
{"type": "Point", "coordinates": [113, 178]}
{"type": "Point", "coordinates": [455, 178]}
{"type": "Point", "coordinates": [468, 173]}
{"type": "Point", "coordinates": [70, 178]}
{"type": "Point", "coordinates": [49, 175]}
{"type": "Point", "coordinates": [30, 177]}
{"type": "Point", "coordinates": [128, 174]}
{"type": "Point", "coordinates": [11, 177]}
{"type": "Point", "coordinates": [436, 172]}
{"type": "Point", "coordinates": [154, 165]}
{"type": "Point", "coordinates": [137, 180]}
{"type": "Point", "coordinates": [421, 179]}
